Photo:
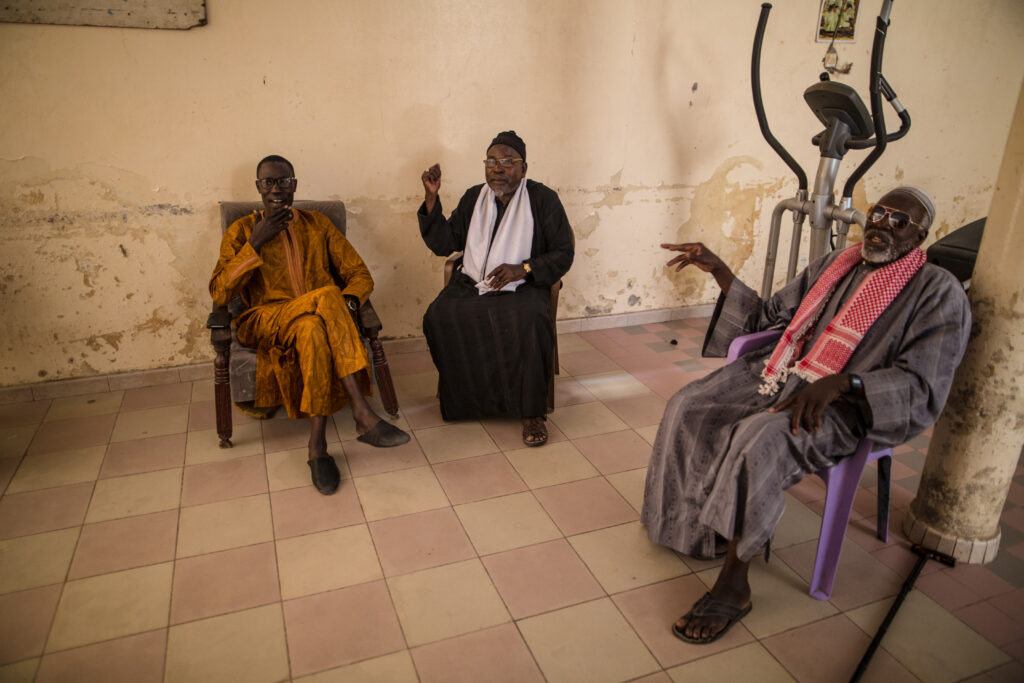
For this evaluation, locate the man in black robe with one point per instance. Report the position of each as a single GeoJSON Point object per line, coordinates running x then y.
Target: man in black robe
{"type": "Point", "coordinates": [490, 330]}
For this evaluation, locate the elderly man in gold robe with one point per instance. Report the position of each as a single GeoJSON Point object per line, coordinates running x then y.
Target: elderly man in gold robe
{"type": "Point", "coordinates": [309, 355]}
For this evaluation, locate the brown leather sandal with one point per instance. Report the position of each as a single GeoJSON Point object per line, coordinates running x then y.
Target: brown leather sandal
{"type": "Point", "coordinates": [535, 432]}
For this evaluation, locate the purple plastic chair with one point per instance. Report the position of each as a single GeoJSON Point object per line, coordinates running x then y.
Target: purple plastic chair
{"type": "Point", "coordinates": [841, 484]}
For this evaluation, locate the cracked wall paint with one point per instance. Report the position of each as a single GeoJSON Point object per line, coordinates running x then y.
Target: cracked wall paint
{"type": "Point", "coordinates": [108, 206]}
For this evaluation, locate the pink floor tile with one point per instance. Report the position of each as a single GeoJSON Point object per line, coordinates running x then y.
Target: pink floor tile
{"type": "Point", "coordinates": [419, 541]}
{"type": "Point", "coordinates": [18, 414]}
{"type": "Point", "coordinates": [285, 434]}
{"type": "Point", "coordinates": [844, 644]}
{"type": "Point", "coordinates": [125, 544]}
{"type": "Point", "coordinates": [79, 432]}
{"type": "Point", "coordinates": [223, 582]}
{"type": "Point", "coordinates": [46, 510]}
{"type": "Point", "coordinates": [214, 481]}
{"type": "Point", "coordinates": [981, 580]}
{"type": "Point", "coordinates": [991, 623]}
{"type": "Point", "coordinates": [1011, 604]}
{"type": "Point", "coordinates": [585, 505]}
{"type": "Point", "coordinates": [898, 557]}
{"type": "Point", "coordinates": [540, 578]}
{"type": "Point", "coordinates": [1013, 516]}
{"type": "Point", "coordinates": [138, 658]}
{"type": "Point", "coordinates": [495, 655]}
{"type": "Point", "coordinates": [615, 452]}
{"type": "Point", "coordinates": [405, 363]}
{"type": "Point", "coordinates": [7, 468]}
{"type": "Point", "coordinates": [943, 589]}
{"type": "Point", "coordinates": [364, 459]}
{"type": "Point", "coordinates": [653, 609]}
{"type": "Point", "coordinates": [25, 619]}
{"type": "Point", "coordinates": [807, 490]}
{"type": "Point", "coordinates": [203, 415]}
{"type": "Point", "coordinates": [1015, 650]}
{"type": "Point", "coordinates": [304, 510]}
{"type": "Point", "coordinates": [600, 340]}
{"type": "Point", "coordinates": [323, 634]}
{"type": "Point", "coordinates": [144, 455]}
{"type": "Point", "coordinates": [156, 397]}
{"type": "Point", "coordinates": [478, 478]}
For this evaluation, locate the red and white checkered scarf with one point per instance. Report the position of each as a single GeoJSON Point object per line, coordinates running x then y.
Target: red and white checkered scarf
{"type": "Point", "coordinates": [834, 347]}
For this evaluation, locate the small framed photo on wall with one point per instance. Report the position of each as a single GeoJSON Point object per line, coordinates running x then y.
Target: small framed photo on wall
{"type": "Point", "coordinates": [837, 21]}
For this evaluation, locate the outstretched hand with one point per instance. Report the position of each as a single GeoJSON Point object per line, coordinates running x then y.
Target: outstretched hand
{"type": "Point", "coordinates": [697, 254]}
{"type": "Point", "coordinates": [268, 225]}
{"type": "Point", "coordinates": [431, 185]}
{"type": "Point", "coordinates": [807, 404]}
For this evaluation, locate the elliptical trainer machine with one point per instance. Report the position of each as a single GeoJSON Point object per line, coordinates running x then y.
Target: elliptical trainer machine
{"type": "Point", "coordinates": [848, 125]}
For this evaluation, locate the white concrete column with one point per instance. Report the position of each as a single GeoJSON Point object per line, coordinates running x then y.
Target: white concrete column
{"type": "Point", "coordinates": [977, 441]}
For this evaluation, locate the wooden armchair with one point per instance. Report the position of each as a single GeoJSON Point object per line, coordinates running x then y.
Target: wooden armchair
{"type": "Point", "coordinates": [235, 365]}
{"type": "Point", "coordinates": [455, 260]}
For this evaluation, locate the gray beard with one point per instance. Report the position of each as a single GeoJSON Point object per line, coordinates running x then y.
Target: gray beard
{"type": "Point", "coordinates": [878, 255]}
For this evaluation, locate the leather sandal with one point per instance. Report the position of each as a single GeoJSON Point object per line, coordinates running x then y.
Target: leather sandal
{"type": "Point", "coordinates": [710, 607]}
{"type": "Point", "coordinates": [535, 432]}
{"type": "Point", "coordinates": [384, 435]}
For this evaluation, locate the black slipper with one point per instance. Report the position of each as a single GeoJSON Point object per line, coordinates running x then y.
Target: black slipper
{"type": "Point", "coordinates": [326, 476]}
{"type": "Point", "coordinates": [709, 607]}
{"type": "Point", "coordinates": [384, 435]}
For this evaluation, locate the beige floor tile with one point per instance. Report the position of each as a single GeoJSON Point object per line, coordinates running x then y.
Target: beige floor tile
{"type": "Point", "coordinates": [586, 419]}
{"type": "Point", "coordinates": [733, 666]}
{"type": "Point", "coordinates": [57, 469]}
{"type": "Point", "coordinates": [242, 646]}
{"type": "Point", "coordinates": [446, 601]}
{"type": "Point", "coordinates": [37, 560]}
{"type": "Point", "coordinates": [396, 667]}
{"type": "Point", "coordinates": [508, 522]}
{"type": "Point", "coordinates": [952, 651]}
{"type": "Point", "coordinates": [225, 524]}
{"type": "Point", "coordinates": [138, 658]}
{"type": "Point", "coordinates": [204, 445]}
{"type": "Point", "coordinates": [779, 597]}
{"type": "Point", "coordinates": [135, 494]}
{"type": "Point", "coordinates": [630, 484]}
{"type": "Point", "coordinates": [495, 655]}
{"type": "Point", "coordinates": [648, 433]}
{"type": "Point", "coordinates": [400, 493]}
{"type": "Point", "coordinates": [621, 557]}
{"type": "Point", "coordinates": [85, 406]}
{"type": "Point", "coordinates": [860, 579]}
{"type": "Point", "coordinates": [288, 469]}
{"type": "Point", "coordinates": [152, 422]}
{"type": "Point", "coordinates": [589, 643]}
{"type": "Point", "coordinates": [609, 386]}
{"type": "Point", "coordinates": [202, 390]}
{"type": "Point", "coordinates": [799, 524]}
{"type": "Point", "coordinates": [454, 441]}
{"type": "Point", "coordinates": [555, 463]}
{"type": "Point", "coordinates": [345, 425]}
{"type": "Point", "coordinates": [20, 672]}
{"type": "Point", "coordinates": [572, 342]}
{"type": "Point", "coordinates": [14, 441]}
{"type": "Point", "coordinates": [112, 605]}
{"type": "Point", "coordinates": [326, 560]}
{"type": "Point", "coordinates": [416, 385]}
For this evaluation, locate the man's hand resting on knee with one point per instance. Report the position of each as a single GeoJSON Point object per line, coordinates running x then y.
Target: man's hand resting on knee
{"type": "Point", "coordinates": [807, 405]}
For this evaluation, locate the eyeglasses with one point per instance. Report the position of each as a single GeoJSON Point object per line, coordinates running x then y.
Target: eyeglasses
{"type": "Point", "coordinates": [504, 163]}
{"type": "Point", "coordinates": [283, 183]}
{"type": "Point", "coordinates": [897, 219]}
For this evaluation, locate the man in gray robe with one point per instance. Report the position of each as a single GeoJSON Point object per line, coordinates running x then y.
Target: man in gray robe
{"type": "Point", "coordinates": [731, 443]}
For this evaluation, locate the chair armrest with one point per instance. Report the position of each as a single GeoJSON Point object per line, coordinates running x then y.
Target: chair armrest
{"type": "Point", "coordinates": [219, 319]}
{"type": "Point", "coordinates": [450, 264]}
{"type": "Point", "coordinates": [749, 342]}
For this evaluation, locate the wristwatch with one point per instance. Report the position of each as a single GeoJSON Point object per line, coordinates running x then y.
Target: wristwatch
{"type": "Point", "coordinates": [856, 385]}
{"type": "Point", "coordinates": [527, 268]}
{"type": "Point", "coordinates": [353, 303]}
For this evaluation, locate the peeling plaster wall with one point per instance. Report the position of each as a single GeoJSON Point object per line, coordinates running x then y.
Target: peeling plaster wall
{"type": "Point", "coordinates": [117, 144]}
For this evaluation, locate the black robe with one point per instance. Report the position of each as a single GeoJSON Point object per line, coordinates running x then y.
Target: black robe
{"type": "Point", "coordinates": [495, 353]}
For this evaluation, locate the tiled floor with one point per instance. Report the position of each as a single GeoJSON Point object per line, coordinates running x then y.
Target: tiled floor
{"type": "Point", "coordinates": [133, 549]}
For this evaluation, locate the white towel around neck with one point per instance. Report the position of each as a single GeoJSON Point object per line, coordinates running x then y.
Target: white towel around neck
{"type": "Point", "coordinates": [512, 241]}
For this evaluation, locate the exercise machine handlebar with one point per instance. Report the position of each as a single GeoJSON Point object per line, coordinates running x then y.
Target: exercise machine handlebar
{"type": "Point", "coordinates": [762, 120]}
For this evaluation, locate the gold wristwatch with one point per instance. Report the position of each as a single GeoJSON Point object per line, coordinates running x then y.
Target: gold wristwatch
{"type": "Point", "coordinates": [527, 268]}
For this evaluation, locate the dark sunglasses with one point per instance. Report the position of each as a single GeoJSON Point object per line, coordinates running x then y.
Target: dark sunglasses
{"type": "Point", "coordinates": [897, 219]}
